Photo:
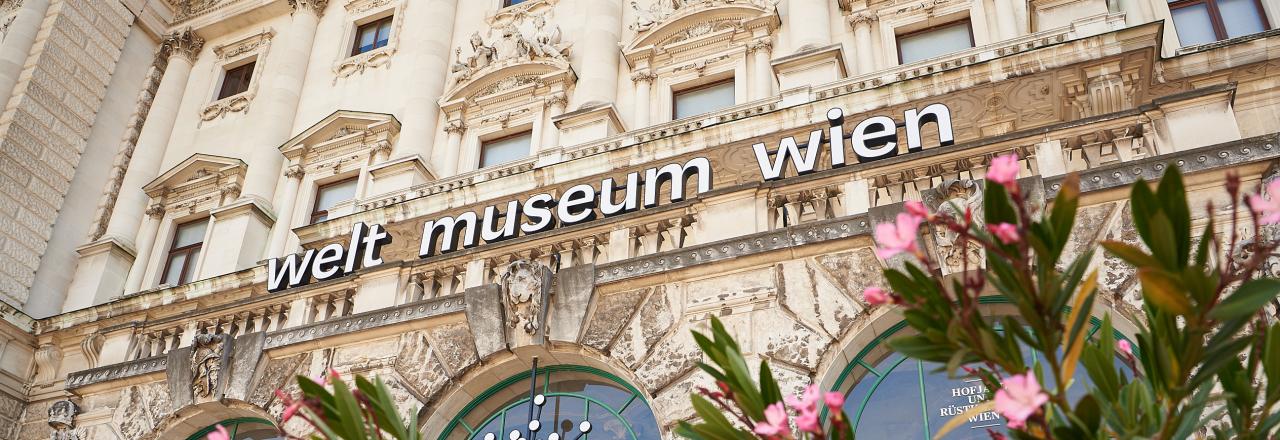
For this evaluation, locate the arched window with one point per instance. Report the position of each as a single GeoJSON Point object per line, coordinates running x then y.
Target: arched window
{"type": "Point", "coordinates": [892, 396]}
{"type": "Point", "coordinates": [573, 394]}
{"type": "Point", "coordinates": [243, 428]}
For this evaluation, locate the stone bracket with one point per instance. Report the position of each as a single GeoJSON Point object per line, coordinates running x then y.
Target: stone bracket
{"type": "Point", "coordinates": [485, 318]}
{"type": "Point", "coordinates": [574, 291]}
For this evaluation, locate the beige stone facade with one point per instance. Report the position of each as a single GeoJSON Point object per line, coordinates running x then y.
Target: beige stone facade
{"type": "Point", "coordinates": [118, 132]}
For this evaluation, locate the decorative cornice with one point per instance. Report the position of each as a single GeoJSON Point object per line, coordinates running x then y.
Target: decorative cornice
{"type": "Point", "coordinates": [154, 364]}
{"type": "Point", "coordinates": [364, 321]}
{"type": "Point", "coordinates": [245, 45]}
{"type": "Point", "coordinates": [184, 43]}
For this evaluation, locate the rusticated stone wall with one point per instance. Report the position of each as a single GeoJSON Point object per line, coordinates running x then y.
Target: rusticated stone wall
{"type": "Point", "coordinates": [46, 123]}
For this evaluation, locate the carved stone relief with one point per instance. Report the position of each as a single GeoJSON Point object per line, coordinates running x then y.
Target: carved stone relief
{"type": "Point", "coordinates": [141, 409]}
{"type": "Point", "coordinates": [48, 358]}
{"type": "Point", "coordinates": [525, 286]}
{"type": "Point", "coordinates": [184, 9]}
{"type": "Point", "coordinates": [62, 415]}
{"type": "Point", "coordinates": [522, 38]}
{"type": "Point", "coordinates": [955, 198]}
{"type": "Point", "coordinates": [208, 356]}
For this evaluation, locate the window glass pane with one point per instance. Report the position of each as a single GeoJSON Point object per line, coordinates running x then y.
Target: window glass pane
{"type": "Point", "coordinates": [384, 32]}
{"type": "Point", "coordinates": [189, 274]}
{"type": "Point", "coordinates": [894, 410]}
{"type": "Point", "coordinates": [704, 99]}
{"type": "Point", "coordinates": [189, 233]}
{"type": "Point", "coordinates": [506, 149]}
{"type": "Point", "coordinates": [236, 80]}
{"type": "Point", "coordinates": [335, 193]}
{"type": "Point", "coordinates": [506, 3]}
{"type": "Point", "coordinates": [941, 41]}
{"type": "Point", "coordinates": [1193, 25]}
{"type": "Point", "coordinates": [173, 275]}
{"type": "Point", "coordinates": [1241, 17]}
{"type": "Point", "coordinates": [364, 39]}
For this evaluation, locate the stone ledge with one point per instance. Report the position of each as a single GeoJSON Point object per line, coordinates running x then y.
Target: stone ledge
{"type": "Point", "coordinates": [364, 321]}
{"type": "Point", "coordinates": [1190, 161]}
{"type": "Point", "coordinates": [81, 379]}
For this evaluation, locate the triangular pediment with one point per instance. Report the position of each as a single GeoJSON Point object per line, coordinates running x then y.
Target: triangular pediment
{"type": "Point", "coordinates": [195, 168]}
{"type": "Point", "coordinates": [338, 125]}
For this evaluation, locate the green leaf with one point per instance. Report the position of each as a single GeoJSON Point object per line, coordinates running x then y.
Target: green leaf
{"type": "Point", "coordinates": [1161, 291]}
{"type": "Point", "coordinates": [1247, 299]}
{"type": "Point", "coordinates": [769, 392]}
{"type": "Point", "coordinates": [1130, 254]}
{"type": "Point", "coordinates": [997, 207]}
{"type": "Point", "coordinates": [1173, 199]}
{"type": "Point", "coordinates": [1144, 205]}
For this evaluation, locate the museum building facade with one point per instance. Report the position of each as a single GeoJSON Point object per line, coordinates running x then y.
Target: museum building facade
{"type": "Point", "coordinates": [205, 198]}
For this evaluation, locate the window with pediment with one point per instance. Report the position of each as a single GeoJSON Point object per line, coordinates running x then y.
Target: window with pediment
{"type": "Point", "coordinates": [181, 199]}
{"type": "Point", "coordinates": [684, 54]}
{"type": "Point", "coordinates": [372, 36]}
{"type": "Point", "coordinates": [889, 33]}
{"type": "Point", "coordinates": [512, 73]}
{"type": "Point", "coordinates": [237, 82]}
{"type": "Point", "coordinates": [330, 163]}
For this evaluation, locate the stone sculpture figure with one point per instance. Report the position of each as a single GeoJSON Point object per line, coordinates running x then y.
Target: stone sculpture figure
{"type": "Point", "coordinates": [206, 363]}
{"type": "Point", "coordinates": [952, 197]}
{"type": "Point", "coordinates": [511, 45]}
{"type": "Point", "coordinates": [546, 41]}
{"type": "Point", "coordinates": [522, 295]}
{"type": "Point", "coordinates": [62, 418]}
{"type": "Point", "coordinates": [659, 10]}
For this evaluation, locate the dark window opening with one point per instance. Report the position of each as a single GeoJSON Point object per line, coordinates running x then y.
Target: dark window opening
{"type": "Point", "coordinates": [236, 80]}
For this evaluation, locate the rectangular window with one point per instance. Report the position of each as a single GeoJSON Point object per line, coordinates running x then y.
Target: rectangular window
{"type": "Point", "coordinates": [702, 99]}
{"type": "Point", "coordinates": [934, 41]}
{"type": "Point", "coordinates": [329, 195]}
{"type": "Point", "coordinates": [506, 3]}
{"type": "Point", "coordinates": [180, 263]}
{"type": "Point", "coordinates": [372, 35]}
{"type": "Point", "coordinates": [1206, 21]}
{"type": "Point", "coordinates": [507, 149]}
{"type": "Point", "coordinates": [236, 80]}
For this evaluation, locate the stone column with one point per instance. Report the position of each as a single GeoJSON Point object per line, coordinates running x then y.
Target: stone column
{"type": "Point", "coordinates": [598, 53]}
{"type": "Point", "coordinates": [18, 38]}
{"type": "Point", "coordinates": [182, 48]}
{"type": "Point", "coordinates": [277, 101]}
{"type": "Point", "coordinates": [284, 219]}
{"type": "Point", "coordinates": [146, 241]}
{"type": "Point", "coordinates": [553, 106]}
{"type": "Point", "coordinates": [455, 129]}
{"type": "Point", "coordinates": [809, 23]}
{"type": "Point", "coordinates": [426, 48]}
{"type": "Point", "coordinates": [1005, 20]}
{"type": "Point", "coordinates": [643, 79]}
{"type": "Point", "coordinates": [761, 70]}
{"type": "Point", "coordinates": [861, 23]}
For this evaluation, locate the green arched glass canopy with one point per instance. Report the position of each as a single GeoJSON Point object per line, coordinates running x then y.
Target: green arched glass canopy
{"type": "Point", "coordinates": [243, 428]}
{"type": "Point", "coordinates": [573, 394]}
{"type": "Point", "coordinates": [891, 396]}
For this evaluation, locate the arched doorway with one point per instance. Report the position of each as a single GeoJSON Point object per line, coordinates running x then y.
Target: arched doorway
{"type": "Point", "coordinates": [892, 396]}
{"type": "Point", "coordinates": [242, 428]}
{"type": "Point", "coordinates": [571, 394]}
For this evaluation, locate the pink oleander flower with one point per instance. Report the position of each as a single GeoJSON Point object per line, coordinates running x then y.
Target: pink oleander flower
{"type": "Point", "coordinates": [290, 410]}
{"type": "Point", "coordinates": [898, 237]}
{"type": "Point", "coordinates": [1123, 346]}
{"type": "Point", "coordinates": [834, 400]}
{"type": "Point", "coordinates": [1003, 170]}
{"type": "Point", "coordinates": [806, 405]}
{"type": "Point", "coordinates": [1018, 398]}
{"type": "Point", "coordinates": [1269, 209]}
{"type": "Point", "coordinates": [219, 433]}
{"type": "Point", "coordinates": [875, 296]}
{"type": "Point", "coordinates": [914, 207]}
{"type": "Point", "coordinates": [775, 421]}
{"type": "Point", "coordinates": [1006, 232]}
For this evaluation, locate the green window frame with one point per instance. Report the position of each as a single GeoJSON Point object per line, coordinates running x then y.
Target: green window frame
{"type": "Point", "coordinates": [232, 426]}
{"type": "Point", "coordinates": [879, 375]}
{"type": "Point", "coordinates": [545, 375]}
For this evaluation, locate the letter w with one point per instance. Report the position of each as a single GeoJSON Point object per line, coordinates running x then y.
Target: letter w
{"type": "Point", "coordinates": [787, 149]}
{"type": "Point", "coordinates": [296, 272]}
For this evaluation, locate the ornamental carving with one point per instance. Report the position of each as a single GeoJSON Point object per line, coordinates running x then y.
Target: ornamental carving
{"type": "Point", "coordinates": [184, 9]}
{"type": "Point", "coordinates": [955, 198]}
{"type": "Point", "coordinates": [657, 11]}
{"type": "Point", "coordinates": [523, 286]}
{"type": "Point", "coordinates": [91, 347]}
{"type": "Point", "coordinates": [523, 38]}
{"type": "Point", "coordinates": [207, 354]}
{"type": "Point", "coordinates": [48, 358]}
{"type": "Point", "coordinates": [62, 415]}
{"type": "Point", "coordinates": [253, 43]}
{"type": "Point", "coordinates": [315, 6]}
{"type": "Point", "coordinates": [183, 43]}
{"type": "Point", "coordinates": [234, 104]}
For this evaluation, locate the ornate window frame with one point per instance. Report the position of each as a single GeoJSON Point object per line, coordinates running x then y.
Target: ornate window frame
{"type": "Point", "coordinates": [491, 92]}
{"type": "Point", "coordinates": [360, 12]}
{"type": "Point", "coordinates": [696, 44]}
{"type": "Point", "coordinates": [190, 190]}
{"type": "Point", "coordinates": [914, 17]}
{"type": "Point", "coordinates": [250, 49]}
